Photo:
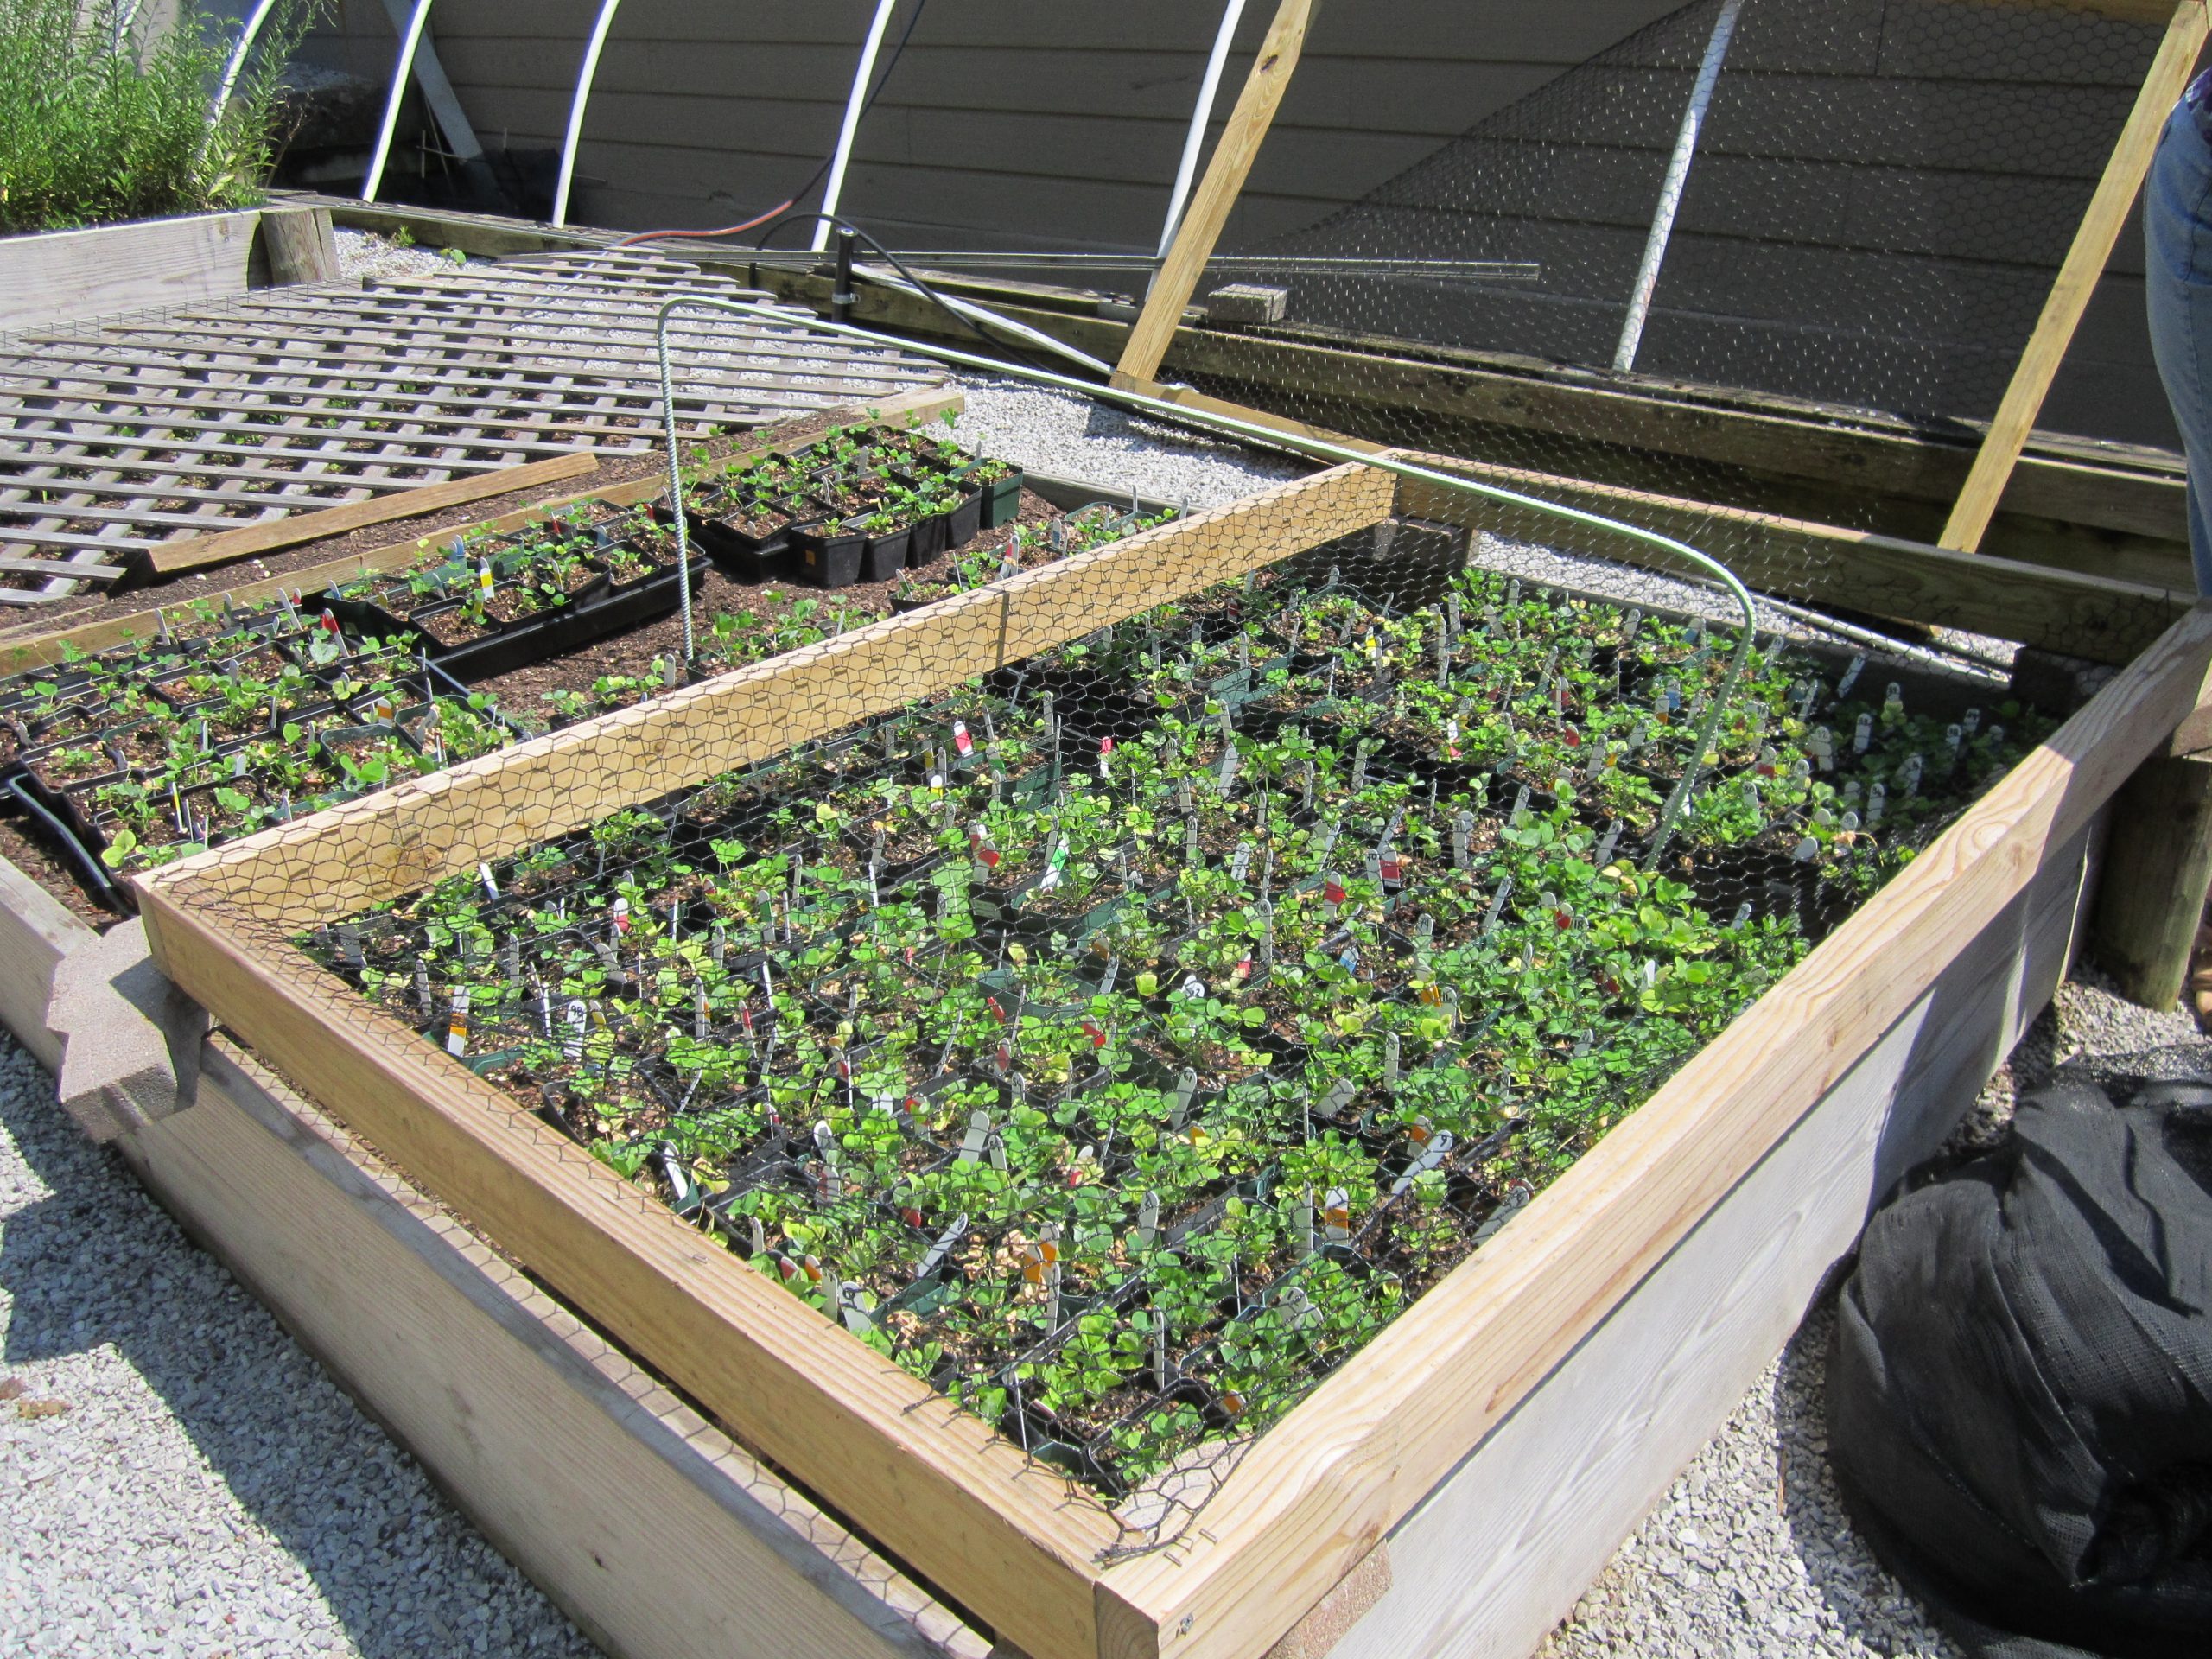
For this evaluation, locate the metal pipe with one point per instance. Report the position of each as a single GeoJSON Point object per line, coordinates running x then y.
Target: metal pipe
{"type": "Point", "coordinates": [1473, 270]}
{"type": "Point", "coordinates": [1201, 118]}
{"type": "Point", "coordinates": [402, 73]}
{"type": "Point", "coordinates": [1230, 425]}
{"type": "Point", "coordinates": [854, 102]}
{"type": "Point", "coordinates": [236, 65]}
{"type": "Point", "coordinates": [1670, 193]}
{"type": "Point", "coordinates": [584, 78]}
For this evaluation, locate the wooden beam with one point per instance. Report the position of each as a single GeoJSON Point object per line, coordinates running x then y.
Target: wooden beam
{"type": "Point", "coordinates": [299, 244]}
{"type": "Point", "coordinates": [2160, 867]}
{"type": "Point", "coordinates": [53, 277]}
{"type": "Point", "coordinates": [1319, 1490]}
{"type": "Point", "coordinates": [2083, 616]}
{"type": "Point", "coordinates": [1239, 147]}
{"type": "Point", "coordinates": [2100, 229]}
{"type": "Point", "coordinates": [196, 552]}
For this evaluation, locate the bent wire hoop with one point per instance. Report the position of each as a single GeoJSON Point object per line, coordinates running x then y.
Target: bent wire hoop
{"type": "Point", "coordinates": [1225, 425]}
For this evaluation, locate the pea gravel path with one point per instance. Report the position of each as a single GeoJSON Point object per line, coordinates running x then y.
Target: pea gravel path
{"type": "Point", "coordinates": [177, 1476]}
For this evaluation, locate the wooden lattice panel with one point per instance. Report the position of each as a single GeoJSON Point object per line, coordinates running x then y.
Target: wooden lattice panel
{"type": "Point", "coordinates": [125, 433]}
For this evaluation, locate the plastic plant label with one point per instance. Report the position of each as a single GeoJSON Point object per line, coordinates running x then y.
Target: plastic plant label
{"type": "Point", "coordinates": [757, 1236]}
{"type": "Point", "coordinates": [457, 1026]}
{"type": "Point", "coordinates": [577, 1017]}
{"type": "Point", "coordinates": [942, 1248]}
{"type": "Point", "coordinates": [1338, 1096]}
{"type": "Point", "coordinates": [961, 740]}
{"type": "Point", "coordinates": [1877, 798]}
{"type": "Point", "coordinates": [1862, 736]}
{"type": "Point", "coordinates": [1970, 722]}
{"type": "Point", "coordinates": [1105, 759]}
{"type": "Point", "coordinates": [1332, 890]}
{"type": "Point", "coordinates": [1497, 905]}
{"type": "Point", "coordinates": [1805, 851]}
{"type": "Point", "coordinates": [977, 1137]}
{"type": "Point", "coordinates": [1391, 1053]}
{"type": "Point", "coordinates": [619, 915]}
{"type": "Point", "coordinates": [1433, 1153]}
{"type": "Point", "coordinates": [1336, 1215]}
{"type": "Point", "coordinates": [1147, 1220]}
{"type": "Point", "coordinates": [1909, 776]}
{"type": "Point", "coordinates": [348, 942]}
{"type": "Point", "coordinates": [422, 986]}
{"type": "Point", "coordinates": [1520, 807]}
{"type": "Point", "coordinates": [856, 1308]}
{"type": "Point", "coordinates": [1607, 843]}
{"type": "Point", "coordinates": [491, 884]}
{"type": "Point", "coordinates": [1186, 1087]}
{"type": "Point", "coordinates": [1463, 829]}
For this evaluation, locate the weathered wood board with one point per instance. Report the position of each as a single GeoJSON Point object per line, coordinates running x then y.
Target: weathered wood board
{"type": "Point", "coordinates": [60, 276]}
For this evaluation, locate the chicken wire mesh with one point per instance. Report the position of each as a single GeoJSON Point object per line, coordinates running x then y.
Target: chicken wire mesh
{"type": "Point", "coordinates": [1115, 991]}
{"type": "Point", "coordinates": [1862, 205]}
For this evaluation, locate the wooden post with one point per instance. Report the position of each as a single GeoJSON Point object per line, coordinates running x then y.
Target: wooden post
{"type": "Point", "coordinates": [2157, 866]}
{"type": "Point", "coordinates": [1225, 174]}
{"type": "Point", "coordinates": [2077, 278]}
{"type": "Point", "coordinates": [300, 246]}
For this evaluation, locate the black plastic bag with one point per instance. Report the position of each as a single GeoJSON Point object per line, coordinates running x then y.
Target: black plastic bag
{"type": "Point", "coordinates": [2020, 1391]}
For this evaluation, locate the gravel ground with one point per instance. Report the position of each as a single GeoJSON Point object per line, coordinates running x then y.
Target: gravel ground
{"type": "Point", "coordinates": [177, 1476]}
{"type": "Point", "coordinates": [1067, 436]}
{"type": "Point", "coordinates": [1749, 1555]}
{"type": "Point", "coordinates": [363, 253]}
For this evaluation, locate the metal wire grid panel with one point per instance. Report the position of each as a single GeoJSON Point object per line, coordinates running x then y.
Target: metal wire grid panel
{"type": "Point", "coordinates": [1118, 1035]}
{"type": "Point", "coordinates": [126, 433]}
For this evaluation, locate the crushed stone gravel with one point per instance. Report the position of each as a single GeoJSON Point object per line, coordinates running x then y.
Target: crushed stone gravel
{"type": "Point", "coordinates": [177, 1476]}
{"type": "Point", "coordinates": [363, 253]}
{"type": "Point", "coordinates": [1063, 436]}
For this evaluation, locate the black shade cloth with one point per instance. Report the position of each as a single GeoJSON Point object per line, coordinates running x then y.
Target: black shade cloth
{"type": "Point", "coordinates": [2021, 1390]}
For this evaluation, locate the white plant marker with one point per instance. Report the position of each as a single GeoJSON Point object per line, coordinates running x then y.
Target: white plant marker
{"type": "Point", "coordinates": [457, 1023]}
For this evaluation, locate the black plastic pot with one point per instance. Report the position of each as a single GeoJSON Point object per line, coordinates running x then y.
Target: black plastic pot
{"type": "Point", "coordinates": [828, 559]}
{"type": "Point", "coordinates": [747, 558]}
{"type": "Point", "coordinates": [965, 522]}
{"type": "Point", "coordinates": [885, 556]}
{"type": "Point", "coordinates": [928, 541]}
{"type": "Point", "coordinates": [553, 634]}
{"type": "Point", "coordinates": [1000, 501]}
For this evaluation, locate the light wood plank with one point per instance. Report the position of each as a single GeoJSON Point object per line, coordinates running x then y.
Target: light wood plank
{"type": "Point", "coordinates": [1208, 210]}
{"type": "Point", "coordinates": [36, 931]}
{"type": "Point", "coordinates": [56, 276]}
{"type": "Point", "coordinates": [1327, 1485]}
{"type": "Point", "coordinates": [2077, 277]}
{"type": "Point", "coordinates": [197, 552]}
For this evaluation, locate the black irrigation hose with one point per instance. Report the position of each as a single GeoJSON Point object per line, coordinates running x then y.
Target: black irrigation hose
{"type": "Point", "coordinates": [98, 880]}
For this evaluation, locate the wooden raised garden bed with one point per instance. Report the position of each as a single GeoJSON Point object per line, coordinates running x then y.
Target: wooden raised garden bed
{"type": "Point", "coordinates": [1457, 1478]}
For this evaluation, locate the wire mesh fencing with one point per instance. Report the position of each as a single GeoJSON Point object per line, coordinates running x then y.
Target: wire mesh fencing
{"type": "Point", "coordinates": [1117, 1034]}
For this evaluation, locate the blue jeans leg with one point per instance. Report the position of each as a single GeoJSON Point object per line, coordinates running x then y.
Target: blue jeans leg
{"type": "Point", "coordinates": [2177, 271]}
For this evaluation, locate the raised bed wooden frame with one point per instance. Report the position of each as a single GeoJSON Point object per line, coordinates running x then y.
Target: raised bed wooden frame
{"type": "Point", "coordinates": [1442, 1482]}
